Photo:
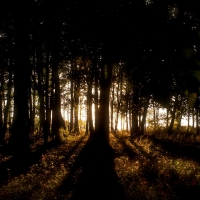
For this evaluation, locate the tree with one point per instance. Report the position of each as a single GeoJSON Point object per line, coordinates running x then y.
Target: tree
{"type": "Point", "coordinates": [20, 135]}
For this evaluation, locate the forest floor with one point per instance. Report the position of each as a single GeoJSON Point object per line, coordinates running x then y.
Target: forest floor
{"type": "Point", "coordinates": [145, 168]}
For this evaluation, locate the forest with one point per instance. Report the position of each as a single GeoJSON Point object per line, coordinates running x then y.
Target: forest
{"type": "Point", "coordinates": [100, 99]}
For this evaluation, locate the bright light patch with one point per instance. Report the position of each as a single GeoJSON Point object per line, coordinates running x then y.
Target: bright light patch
{"type": "Point", "coordinates": [173, 12]}
{"type": "Point", "coordinates": [148, 2]}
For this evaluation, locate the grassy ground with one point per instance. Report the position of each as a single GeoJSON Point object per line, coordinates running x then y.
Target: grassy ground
{"type": "Point", "coordinates": [146, 168]}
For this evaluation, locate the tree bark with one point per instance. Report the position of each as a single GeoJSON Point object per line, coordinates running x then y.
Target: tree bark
{"type": "Point", "coordinates": [21, 80]}
{"type": "Point", "coordinates": [8, 104]}
{"type": "Point", "coordinates": [89, 101]}
{"type": "Point", "coordinates": [167, 120]}
{"type": "Point", "coordinates": [76, 100]}
{"type": "Point", "coordinates": [40, 90]}
{"type": "Point", "coordinates": [118, 107]}
{"type": "Point", "coordinates": [2, 137]}
{"type": "Point", "coordinates": [72, 99]}
{"type": "Point", "coordinates": [105, 82]}
{"type": "Point", "coordinates": [144, 115]}
{"type": "Point", "coordinates": [96, 97]}
{"type": "Point", "coordinates": [134, 129]}
{"type": "Point", "coordinates": [47, 103]}
{"type": "Point", "coordinates": [173, 115]}
{"type": "Point", "coordinates": [112, 104]}
{"type": "Point", "coordinates": [57, 119]}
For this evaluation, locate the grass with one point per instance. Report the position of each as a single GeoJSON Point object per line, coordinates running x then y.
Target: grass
{"type": "Point", "coordinates": [146, 168]}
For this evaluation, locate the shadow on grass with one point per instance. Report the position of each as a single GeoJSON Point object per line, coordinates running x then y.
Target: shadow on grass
{"type": "Point", "coordinates": [130, 151]}
{"type": "Point", "coordinates": [14, 166]}
{"type": "Point", "coordinates": [148, 170]}
{"type": "Point", "coordinates": [93, 175]}
{"type": "Point", "coordinates": [176, 149]}
{"type": "Point", "coordinates": [186, 188]}
{"type": "Point", "coordinates": [169, 184]}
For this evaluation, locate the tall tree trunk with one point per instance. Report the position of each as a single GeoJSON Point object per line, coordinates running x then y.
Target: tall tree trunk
{"type": "Point", "coordinates": [47, 102]}
{"type": "Point", "coordinates": [22, 67]}
{"type": "Point", "coordinates": [1, 107]}
{"type": "Point", "coordinates": [197, 118]}
{"type": "Point", "coordinates": [118, 107]}
{"type": "Point", "coordinates": [188, 126]}
{"type": "Point", "coordinates": [127, 106]}
{"type": "Point", "coordinates": [105, 82]}
{"type": "Point", "coordinates": [154, 115]}
{"type": "Point", "coordinates": [193, 118]}
{"type": "Point", "coordinates": [87, 122]}
{"type": "Point", "coordinates": [76, 101]}
{"type": "Point", "coordinates": [167, 118]}
{"type": "Point", "coordinates": [96, 97]}
{"type": "Point", "coordinates": [157, 116]}
{"type": "Point", "coordinates": [57, 119]}
{"type": "Point", "coordinates": [173, 115]}
{"type": "Point", "coordinates": [122, 122]}
{"type": "Point", "coordinates": [146, 104]}
{"type": "Point", "coordinates": [89, 102]}
{"type": "Point", "coordinates": [8, 104]}
{"type": "Point", "coordinates": [34, 102]}
{"type": "Point", "coordinates": [127, 121]}
{"type": "Point", "coordinates": [72, 100]}
{"type": "Point", "coordinates": [179, 117]}
{"type": "Point", "coordinates": [134, 129]}
{"type": "Point", "coordinates": [112, 104]}
{"type": "Point", "coordinates": [30, 102]}
{"type": "Point", "coordinates": [40, 90]}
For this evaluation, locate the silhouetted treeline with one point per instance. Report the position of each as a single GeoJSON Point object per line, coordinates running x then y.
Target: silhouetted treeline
{"type": "Point", "coordinates": [139, 55]}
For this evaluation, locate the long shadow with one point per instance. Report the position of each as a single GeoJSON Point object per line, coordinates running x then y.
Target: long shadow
{"type": "Point", "coordinates": [148, 170]}
{"type": "Point", "coordinates": [176, 149]}
{"type": "Point", "coordinates": [187, 189]}
{"type": "Point", "coordinates": [14, 166]}
{"type": "Point", "coordinates": [92, 176]}
{"type": "Point", "coordinates": [129, 150]}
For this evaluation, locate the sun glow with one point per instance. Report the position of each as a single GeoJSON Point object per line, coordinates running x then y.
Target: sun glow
{"type": "Point", "coordinates": [120, 106]}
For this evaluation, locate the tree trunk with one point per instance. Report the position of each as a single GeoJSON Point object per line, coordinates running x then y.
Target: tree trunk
{"type": "Point", "coordinates": [179, 117]}
{"type": "Point", "coordinates": [21, 83]}
{"type": "Point", "coordinates": [40, 90]}
{"type": "Point", "coordinates": [47, 103]}
{"type": "Point", "coordinates": [8, 104]}
{"type": "Point", "coordinates": [105, 82]}
{"type": "Point", "coordinates": [134, 129]}
{"type": "Point", "coordinates": [144, 116]}
{"type": "Point", "coordinates": [72, 100]}
{"type": "Point", "coordinates": [111, 111]}
{"type": "Point", "coordinates": [30, 102]}
{"type": "Point", "coordinates": [167, 120]}
{"type": "Point", "coordinates": [57, 119]}
{"type": "Point", "coordinates": [2, 137]}
{"type": "Point", "coordinates": [118, 107]}
{"type": "Point", "coordinates": [193, 117]}
{"type": "Point", "coordinates": [96, 97]}
{"type": "Point", "coordinates": [173, 115]}
{"type": "Point", "coordinates": [87, 122]}
{"type": "Point", "coordinates": [197, 120]}
{"type": "Point", "coordinates": [127, 107]}
{"type": "Point", "coordinates": [76, 101]}
{"type": "Point", "coordinates": [89, 102]}
{"type": "Point", "coordinates": [188, 127]}
{"type": "Point", "coordinates": [154, 116]}
{"type": "Point", "coordinates": [34, 106]}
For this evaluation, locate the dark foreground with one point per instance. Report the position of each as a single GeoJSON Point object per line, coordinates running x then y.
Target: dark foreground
{"type": "Point", "coordinates": [145, 168]}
